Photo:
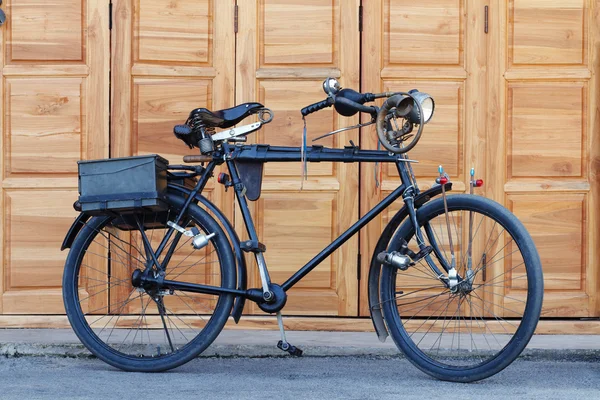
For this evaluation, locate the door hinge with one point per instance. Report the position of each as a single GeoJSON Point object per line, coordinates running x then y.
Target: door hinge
{"type": "Point", "coordinates": [358, 267]}
{"type": "Point", "coordinates": [235, 20]}
{"type": "Point", "coordinates": [360, 18]}
{"type": "Point", "coordinates": [485, 26]}
{"type": "Point", "coordinates": [110, 17]}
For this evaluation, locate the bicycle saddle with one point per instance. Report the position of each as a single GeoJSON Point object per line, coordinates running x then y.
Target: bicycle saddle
{"type": "Point", "coordinates": [225, 118]}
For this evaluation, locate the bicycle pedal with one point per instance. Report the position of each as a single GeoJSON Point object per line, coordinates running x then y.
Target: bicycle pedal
{"type": "Point", "coordinates": [293, 350]}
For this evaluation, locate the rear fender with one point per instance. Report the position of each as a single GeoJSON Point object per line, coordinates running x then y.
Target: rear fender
{"type": "Point", "coordinates": [242, 278]}
{"type": "Point", "coordinates": [74, 230]}
{"type": "Point", "coordinates": [382, 245]}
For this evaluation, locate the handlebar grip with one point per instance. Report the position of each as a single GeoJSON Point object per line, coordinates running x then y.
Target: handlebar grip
{"type": "Point", "coordinates": [316, 106]}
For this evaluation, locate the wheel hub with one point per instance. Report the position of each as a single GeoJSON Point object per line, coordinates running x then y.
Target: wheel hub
{"type": "Point", "coordinates": [147, 282]}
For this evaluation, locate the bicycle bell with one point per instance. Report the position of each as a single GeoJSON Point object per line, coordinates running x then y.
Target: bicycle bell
{"type": "Point", "coordinates": [331, 86]}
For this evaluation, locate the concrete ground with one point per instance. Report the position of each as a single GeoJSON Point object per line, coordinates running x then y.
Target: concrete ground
{"type": "Point", "coordinates": [289, 378]}
{"type": "Point", "coordinates": [257, 343]}
{"type": "Point", "coordinates": [51, 364]}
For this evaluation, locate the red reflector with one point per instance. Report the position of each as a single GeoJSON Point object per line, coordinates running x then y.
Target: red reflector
{"type": "Point", "coordinates": [222, 177]}
{"type": "Point", "coordinates": [479, 183]}
{"type": "Point", "coordinates": [443, 180]}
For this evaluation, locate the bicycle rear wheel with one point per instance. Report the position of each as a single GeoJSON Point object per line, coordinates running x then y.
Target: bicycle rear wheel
{"type": "Point", "coordinates": [477, 329]}
{"type": "Point", "coordinates": [138, 329]}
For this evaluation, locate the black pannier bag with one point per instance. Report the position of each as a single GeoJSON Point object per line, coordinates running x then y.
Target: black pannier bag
{"type": "Point", "coordinates": [124, 185]}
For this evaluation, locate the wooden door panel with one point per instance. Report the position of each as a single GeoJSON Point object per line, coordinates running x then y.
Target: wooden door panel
{"type": "Point", "coordinates": [43, 123]}
{"type": "Point", "coordinates": [174, 32]}
{"type": "Point", "coordinates": [42, 31]}
{"type": "Point", "coordinates": [540, 141]}
{"type": "Point", "coordinates": [285, 49]}
{"type": "Point", "coordinates": [424, 32]}
{"type": "Point", "coordinates": [546, 129]}
{"type": "Point", "coordinates": [557, 224]}
{"type": "Point", "coordinates": [54, 55]}
{"type": "Point", "coordinates": [548, 32]}
{"type": "Point", "coordinates": [283, 21]}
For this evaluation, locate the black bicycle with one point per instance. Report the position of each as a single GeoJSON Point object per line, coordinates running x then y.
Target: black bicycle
{"type": "Point", "coordinates": [155, 269]}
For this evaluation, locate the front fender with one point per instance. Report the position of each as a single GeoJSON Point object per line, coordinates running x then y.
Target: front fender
{"type": "Point", "coordinates": [382, 244]}
{"type": "Point", "coordinates": [242, 277]}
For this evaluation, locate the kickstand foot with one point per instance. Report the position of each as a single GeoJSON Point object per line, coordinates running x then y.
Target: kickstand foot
{"type": "Point", "coordinates": [293, 350]}
{"type": "Point", "coordinates": [283, 343]}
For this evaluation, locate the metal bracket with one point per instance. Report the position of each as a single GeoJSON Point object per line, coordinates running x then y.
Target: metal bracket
{"type": "Point", "coordinates": [235, 132]}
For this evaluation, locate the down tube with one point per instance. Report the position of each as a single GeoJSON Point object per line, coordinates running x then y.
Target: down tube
{"type": "Point", "coordinates": [343, 238]}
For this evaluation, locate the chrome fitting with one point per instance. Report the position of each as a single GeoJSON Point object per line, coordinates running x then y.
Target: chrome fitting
{"type": "Point", "coordinates": [395, 260]}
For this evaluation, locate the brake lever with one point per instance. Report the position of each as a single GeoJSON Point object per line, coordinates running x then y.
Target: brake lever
{"type": "Point", "coordinates": [343, 129]}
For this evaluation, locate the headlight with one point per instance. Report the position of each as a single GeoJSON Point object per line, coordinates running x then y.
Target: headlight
{"type": "Point", "coordinates": [427, 104]}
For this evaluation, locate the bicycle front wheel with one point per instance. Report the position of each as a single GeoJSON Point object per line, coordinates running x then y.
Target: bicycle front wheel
{"type": "Point", "coordinates": [475, 329]}
{"type": "Point", "coordinates": [146, 329]}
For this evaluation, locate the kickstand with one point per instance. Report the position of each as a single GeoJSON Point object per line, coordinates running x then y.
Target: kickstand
{"type": "Point", "coordinates": [283, 343]}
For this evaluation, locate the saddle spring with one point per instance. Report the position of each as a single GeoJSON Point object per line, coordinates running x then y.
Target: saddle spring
{"type": "Point", "coordinates": [202, 131]}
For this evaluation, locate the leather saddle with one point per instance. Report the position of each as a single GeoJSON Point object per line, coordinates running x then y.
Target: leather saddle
{"type": "Point", "coordinates": [225, 118]}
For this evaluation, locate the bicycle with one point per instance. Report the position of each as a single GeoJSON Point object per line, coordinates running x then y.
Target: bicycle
{"type": "Point", "coordinates": [439, 268]}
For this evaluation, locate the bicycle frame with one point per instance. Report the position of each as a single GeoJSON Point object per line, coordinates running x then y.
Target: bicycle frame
{"type": "Point", "coordinates": [408, 190]}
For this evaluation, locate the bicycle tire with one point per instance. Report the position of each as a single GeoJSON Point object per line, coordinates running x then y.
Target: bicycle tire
{"type": "Point", "coordinates": [405, 331]}
{"type": "Point", "coordinates": [144, 361]}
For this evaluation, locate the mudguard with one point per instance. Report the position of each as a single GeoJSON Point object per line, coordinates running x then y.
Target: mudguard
{"type": "Point", "coordinates": [382, 244]}
{"type": "Point", "coordinates": [242, 278]}
{"type": "Point", "coordinates": [74, 230]}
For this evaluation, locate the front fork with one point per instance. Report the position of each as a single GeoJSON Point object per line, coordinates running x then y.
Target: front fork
{"type": "Point", "coordinates": [454, 280]}
{"type": "Point", "coordinates": [449, 276]}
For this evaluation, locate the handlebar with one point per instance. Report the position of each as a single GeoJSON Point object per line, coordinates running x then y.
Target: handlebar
{"type": "Point", "coordinates": [328, 102]}
{"type": "Point", "coordinates": [347, 103]}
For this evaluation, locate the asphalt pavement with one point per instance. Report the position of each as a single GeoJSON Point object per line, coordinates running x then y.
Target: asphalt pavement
{"type": "Point", "coordinates": [289, 378]}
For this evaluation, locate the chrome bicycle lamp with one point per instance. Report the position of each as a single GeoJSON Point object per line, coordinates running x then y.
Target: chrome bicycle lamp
{"type": "Point", "coordinates": [427, 105]}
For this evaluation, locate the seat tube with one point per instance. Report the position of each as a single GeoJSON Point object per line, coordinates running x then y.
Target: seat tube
{"type": "Point", "coordinates": [241, 196]}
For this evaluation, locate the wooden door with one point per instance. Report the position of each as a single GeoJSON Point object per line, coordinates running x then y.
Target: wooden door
{"type": "Point", "coordinates": [543, 140]}
{"type": "Point", "coordinates": [169, 58]}
{"type": "Point", "coordinates": [54, 112]}
{"type": "Point", "coordinates": [519, 103]}
{"type": "Point", "coordinates": [285, 48]}
{"type": "Point", "coordinates": [438, 47]}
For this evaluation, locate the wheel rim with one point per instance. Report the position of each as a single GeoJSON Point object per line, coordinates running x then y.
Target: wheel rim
{"type": "Point", "coordinates": [127, 321]}
{"type": "Point", "coordinates": [471, 326]}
